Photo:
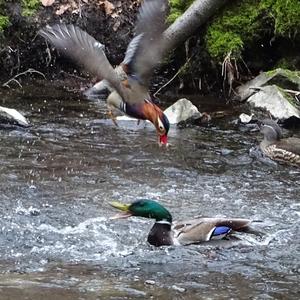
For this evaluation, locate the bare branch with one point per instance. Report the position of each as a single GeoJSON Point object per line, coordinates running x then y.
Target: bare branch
{"type": "Point", "coordinates": [14, 79]}
{"type": "Point", "coordinates": [177, 73]}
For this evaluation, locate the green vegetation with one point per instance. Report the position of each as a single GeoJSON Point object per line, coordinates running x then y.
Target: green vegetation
{"type": "Point", "coordinates": [237, 25]}
{"type": "Point", "coordinates": [177, 7]}
{"type": "Point", "coordinates": [4, 20]}
{"type": "Point", "coordinates": [30, 7]}
{"type": "Point", "coordinates": [286, 15]}
{"type": "Point", "coordinates": [242, 24]}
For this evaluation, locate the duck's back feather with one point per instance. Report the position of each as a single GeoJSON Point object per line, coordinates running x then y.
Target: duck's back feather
{"type": "Point", "coordinates": [286, 151]}
{"type": "Point", "coordinates": [290, 144]}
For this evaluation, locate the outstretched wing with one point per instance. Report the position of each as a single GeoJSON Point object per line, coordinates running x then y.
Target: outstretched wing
{"type": "Point", "coordinates": [145, 50]}
{"type": "Point", "coordinates": [84, 50]}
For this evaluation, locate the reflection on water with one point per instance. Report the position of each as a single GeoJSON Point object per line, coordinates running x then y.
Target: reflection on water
{"type": "Point", "coordinates": [58, 176]}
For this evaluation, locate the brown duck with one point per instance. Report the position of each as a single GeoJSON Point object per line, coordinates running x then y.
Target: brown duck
{"type": "Point", "coordinates": [282, 150]}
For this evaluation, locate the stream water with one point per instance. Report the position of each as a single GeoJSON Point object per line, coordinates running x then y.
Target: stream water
{"type": "Point", "coordinates": [58, 177]}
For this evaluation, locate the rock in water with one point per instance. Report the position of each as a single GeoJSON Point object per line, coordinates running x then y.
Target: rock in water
{"type": "Point", "coordinates": [14, 115]}
{"type": "Point", "coordinates": [275, 102]}
{"type": "Point", "coordinates": [285, 79]}
{"type": "Point", "coordinates": [245, 119]}
{"type": "Point", "coordinates": [181, 110]}
{"type": "Point", "coordinates": [274, 92]}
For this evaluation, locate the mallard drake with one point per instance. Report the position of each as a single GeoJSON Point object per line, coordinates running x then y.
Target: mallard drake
{"type": "Point", "coordinates": [165, 232]}
{"type": "Point", "coordinates": [282, 150]}
{"type": "Point", "coordinates": [130, 84]}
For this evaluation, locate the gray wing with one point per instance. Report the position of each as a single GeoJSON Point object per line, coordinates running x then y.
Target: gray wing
{"type": "Point", "coordinates": [84, 50]}
{"type": "Point", "coordinates": [200, 229]}
{"type": "Point", "coordinates": [145, 50]}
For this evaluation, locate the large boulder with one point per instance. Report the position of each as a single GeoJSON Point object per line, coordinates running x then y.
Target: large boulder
{"type": "Point", "coordinates": [181, 110]}
{"type": "Point", "coordinates": [277, 102]}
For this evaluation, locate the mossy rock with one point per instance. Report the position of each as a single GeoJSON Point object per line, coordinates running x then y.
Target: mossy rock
{"type": "Point", "coordinates": [284, 79]}
{"type": "Point", "coordinates": [276, 102]}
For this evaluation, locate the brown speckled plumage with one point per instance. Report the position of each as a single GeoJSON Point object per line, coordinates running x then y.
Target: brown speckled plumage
{"type": "Point", "coordinates": [281, 150]}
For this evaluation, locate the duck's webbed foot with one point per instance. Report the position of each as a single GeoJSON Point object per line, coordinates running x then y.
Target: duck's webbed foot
{"type": "Point", "coordinates": [113, 117]}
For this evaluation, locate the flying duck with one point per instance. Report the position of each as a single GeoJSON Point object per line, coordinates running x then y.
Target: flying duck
{"type": "Point", "coordinates": [282, 150]}
{"type": "Point", "coordinates": [130, 84]}
{"type": "Point", "coordinates": [165, 232]}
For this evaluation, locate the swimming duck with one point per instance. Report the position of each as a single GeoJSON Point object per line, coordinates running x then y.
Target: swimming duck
{"type": "Point", "coordinates": [130, 84]}
{"type": "Point", "coordinates": [282, 150]}
{"type": "Point", "coordinates": [165, 232]}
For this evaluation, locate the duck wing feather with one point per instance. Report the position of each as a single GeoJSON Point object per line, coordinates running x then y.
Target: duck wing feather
{"type": "Point", "coordinates": [145, 50]}
{"type": "Point", "coordinates": [84, 50]}
{"type": "Point", "coordinates": [201, 229]}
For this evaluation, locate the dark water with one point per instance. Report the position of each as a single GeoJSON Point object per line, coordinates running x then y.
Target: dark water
{"type": "Point", "coordinates": [58, 177]}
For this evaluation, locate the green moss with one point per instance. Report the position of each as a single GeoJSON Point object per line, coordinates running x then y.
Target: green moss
{"type": "Point", "coordinates": [244, 22]}
{"type": "Point", "coordinates": [4, 22]}
{"type": "Point", "coordinates": [292, 75]}
{"type": "Point", "coordinates": [286, 16]}
{"type": "Point", "coordinates": [30, 7]}
{"type": "Point", "coordinates": [284, 78]}
{"type": "Point", "coordinates": [233, 28]}
{"type": "Point", "coordinates": [177, 8]}
{"type": "Point", "coordinates": [285, 63]}
{"type": "Point", "coordinates": [220, 43]}
{"type": "Point", "coordinates": [288, 62]}
{"type": "Point", "coordinates": [291, 78]}
{"type": "Point", "coordinates": [174, 15]}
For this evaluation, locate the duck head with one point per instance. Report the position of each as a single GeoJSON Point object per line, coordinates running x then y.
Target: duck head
{"type": "Point", "coordinates": [162, 126]}
{"type": "Point", "coordinates": [157, 117]}
{"type": "Point", "coordinates": [271, 130]}
{"type": "Point", "coordinates": [142, 208]}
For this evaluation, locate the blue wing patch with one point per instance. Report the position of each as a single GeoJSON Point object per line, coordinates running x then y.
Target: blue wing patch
{"type": "Point", "coordinates": [220, 232]}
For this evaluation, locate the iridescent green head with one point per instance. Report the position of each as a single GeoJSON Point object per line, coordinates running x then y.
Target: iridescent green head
{"type": "Point", "coordinates": [143, 208]}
